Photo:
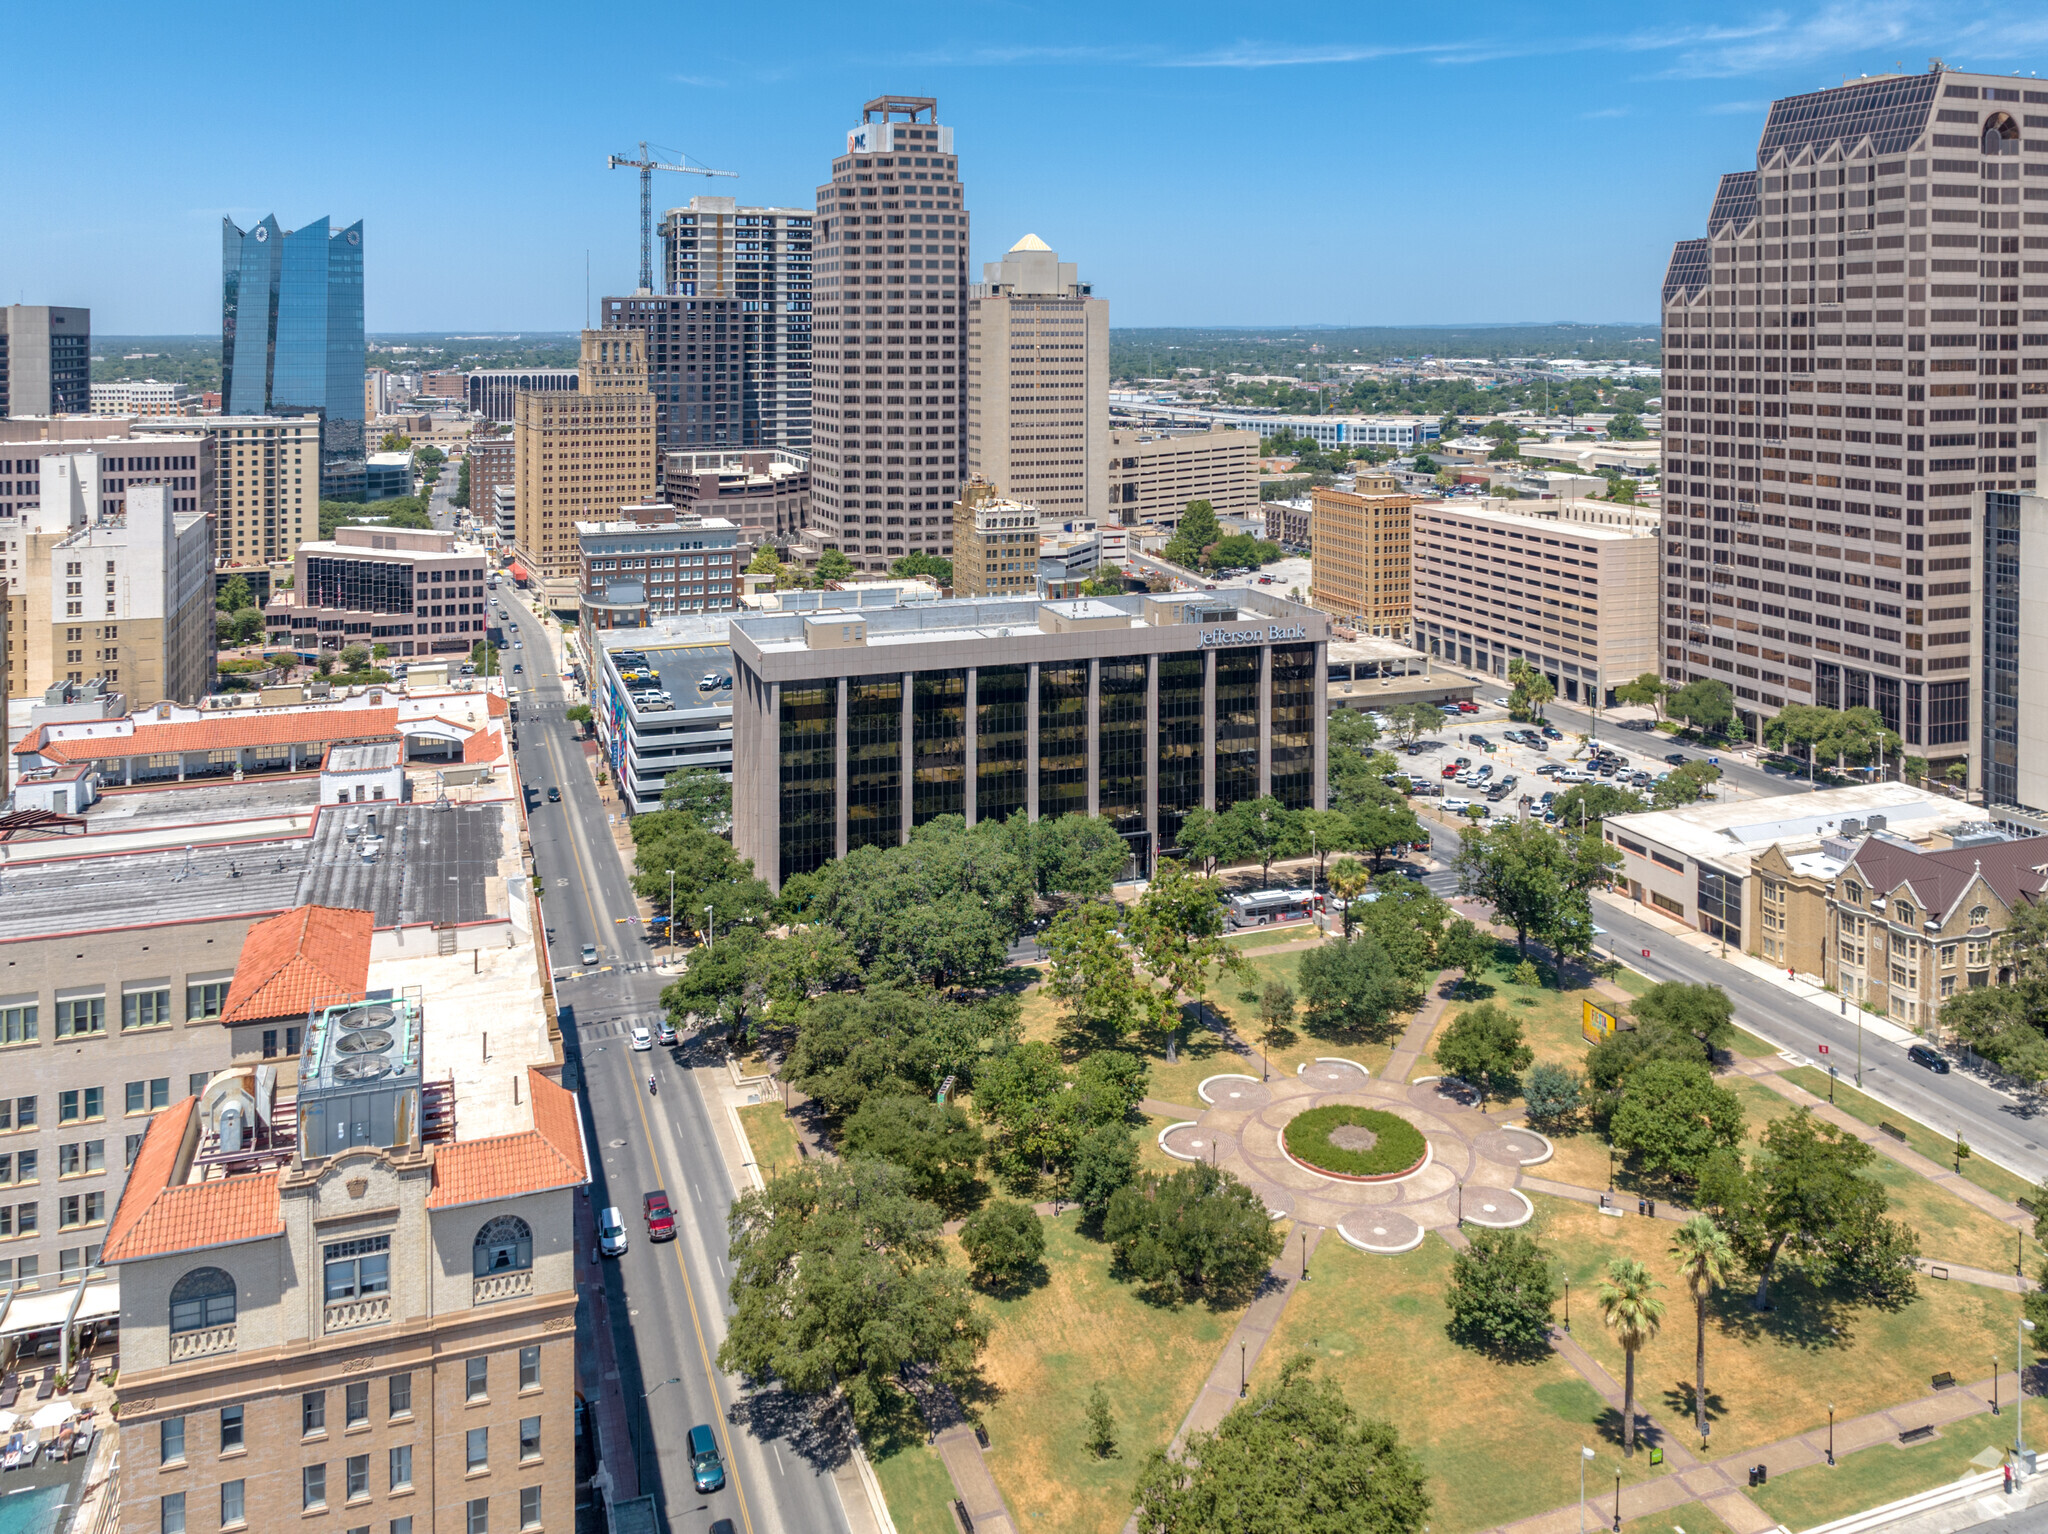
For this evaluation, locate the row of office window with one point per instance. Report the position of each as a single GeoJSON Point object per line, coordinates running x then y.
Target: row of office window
{"type": "Point", "coordinates": [81, 1016]}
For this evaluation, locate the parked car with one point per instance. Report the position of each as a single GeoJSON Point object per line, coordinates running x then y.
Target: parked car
{"type": "Point", "coordinates": [1930, 1057]}
{"type": "Point", "coordinates": [611, 1232]}
{"type": "Point", "coordinates": [1452, 769]}
{"type": "Point", "coordinates": [590, 953]}
{"type": "Point", "coordinates": [1552, 732]}
{"type": "Point", "coordinates": [1425, 790]}
{"type": "Point", "coordinates": [661, 1219]}
{"type": "Point", "coordinates": [1475, 738]}
{"type": "Point", "coordinates": [1551, 770]}
{"type": "Point", "coordinates": [1457, 806]}
{"type": "Point", "coordinates": [1466, 707]}
{"type": "Point", "coordinates": [706, 1468]}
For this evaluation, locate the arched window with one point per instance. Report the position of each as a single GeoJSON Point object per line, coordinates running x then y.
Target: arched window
{"type": "Point", "coordinates": [503, 1246]}
{"type": "Point", "coordinates": [1979, 915]}
{"type": "Point", "coordinates": [202, 1298]}
{"type": "Point", "coordinates": [2001, 135]}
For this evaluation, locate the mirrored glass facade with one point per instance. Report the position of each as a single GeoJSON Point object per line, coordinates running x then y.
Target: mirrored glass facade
{"type": "Point", "coordinates": [292, 334]}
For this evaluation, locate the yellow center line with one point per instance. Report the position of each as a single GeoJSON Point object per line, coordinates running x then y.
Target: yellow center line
{"type": "Point", "coordinates": [689, 1289]}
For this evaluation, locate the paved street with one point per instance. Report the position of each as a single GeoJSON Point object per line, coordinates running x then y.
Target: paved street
{"type": "Point", "coordinates": [667, 1302]}
{"type": "Point", "coordinates": [2007, 1129]}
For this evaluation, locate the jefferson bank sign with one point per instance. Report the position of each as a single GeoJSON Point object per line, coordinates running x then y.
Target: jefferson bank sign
{"type": "Point", "coordinates": [1270, 633]}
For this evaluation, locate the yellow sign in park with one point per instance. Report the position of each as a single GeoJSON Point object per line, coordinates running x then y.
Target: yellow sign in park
{"type": "Point", "coordinates": [1598, 1023]}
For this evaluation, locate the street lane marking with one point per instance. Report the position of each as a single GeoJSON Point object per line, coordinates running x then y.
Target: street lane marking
{"type": "Point", "coordinates": [711, 1375]}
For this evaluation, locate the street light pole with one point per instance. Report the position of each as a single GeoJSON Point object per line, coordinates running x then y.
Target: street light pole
{"type": "Point", "coordinates": [1584, 1455]}
{"type": "Point", "coordinates": [1617, 1502]}
{"type": "Point", "coordinates": [707, 926]}
{"type": "Point", "coordinates": [671, 915]}
{"type": "Point", "coordinates": [2019, 1419]}
{"type": "Point", "coordinates": [646, 1429]}
{"type": "Point", "coordinates": [1304, 1257]}
{"type": "Point", "coordinates": [1242, 1387]}
{"type": "Point", "coordinates": [1831, 1433]}
{"type": "Point", "coordinates": [1567, 1302]}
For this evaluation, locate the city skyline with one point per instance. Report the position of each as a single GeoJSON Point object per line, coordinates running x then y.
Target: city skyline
{"type": "Point", "coordinates": [1114, 140]}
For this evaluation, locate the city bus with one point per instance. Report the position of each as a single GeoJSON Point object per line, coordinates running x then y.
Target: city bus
{"type": "Point", "coordinates": [1265, 908]}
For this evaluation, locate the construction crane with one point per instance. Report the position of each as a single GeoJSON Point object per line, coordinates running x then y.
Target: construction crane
{"type": "Point", "coordinates": [647, 167]}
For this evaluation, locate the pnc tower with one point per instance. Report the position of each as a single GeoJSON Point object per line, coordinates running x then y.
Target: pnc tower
{"type": "Point", "coordinates": [886, 349]}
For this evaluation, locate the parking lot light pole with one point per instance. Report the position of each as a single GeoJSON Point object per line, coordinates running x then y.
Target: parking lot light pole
{"type": "Point", "coordinates": [646, 1428]}
{"type": "Point", "coordinates": [671, 914]}
{"type": "Point", "coordinates": [1584, 1455]}
{"type": "Point", "coordinates": [2019, 1419]}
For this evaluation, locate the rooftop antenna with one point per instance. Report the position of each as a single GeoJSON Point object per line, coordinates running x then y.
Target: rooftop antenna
{"type": "Point", "coordinates": [647, 167]}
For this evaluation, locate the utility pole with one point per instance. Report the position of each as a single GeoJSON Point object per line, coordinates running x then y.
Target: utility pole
{"type": "Point", "coordinates": [647, 167]}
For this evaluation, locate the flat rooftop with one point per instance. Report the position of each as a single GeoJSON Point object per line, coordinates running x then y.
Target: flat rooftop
{"type": "Point", "coordinates": [434, 865]}
{"type": "Point", "coordinates": [485, 1022]}
{"type": "Point", "coordinates": [1729, 834]}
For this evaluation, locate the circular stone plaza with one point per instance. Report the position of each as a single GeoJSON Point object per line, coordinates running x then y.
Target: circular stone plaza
{"type": "Point", "coordinates": [1470, 1166]}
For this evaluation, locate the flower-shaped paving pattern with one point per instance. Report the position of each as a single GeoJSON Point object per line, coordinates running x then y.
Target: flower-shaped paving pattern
{"type": "Point", "coordinates": [1472, 1169]}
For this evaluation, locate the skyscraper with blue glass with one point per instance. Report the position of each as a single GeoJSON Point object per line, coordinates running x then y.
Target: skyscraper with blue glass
{"type": "Point", "coordinates": [291, 331]}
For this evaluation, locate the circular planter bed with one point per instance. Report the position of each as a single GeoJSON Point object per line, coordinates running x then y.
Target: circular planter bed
{"type": "Point", "coordinates": [1361, 1144]}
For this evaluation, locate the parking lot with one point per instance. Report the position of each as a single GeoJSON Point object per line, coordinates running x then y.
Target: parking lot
{"type": "Point", "coordinates": [1481, 741]}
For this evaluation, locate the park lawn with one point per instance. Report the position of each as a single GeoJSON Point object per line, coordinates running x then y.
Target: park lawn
{"type": "Point", "coordinates": [1048, 1348]}
{"type": "Point", "coordinates": [915, 1485]}
{"type": "Point", "coordinates": [1303, 934]}
{"type": "Point", "coordinates": [1770, 1375]}
{"type": "Point", "coordinates": [1884, 1472]}
{"type": "Point", "coordinates": [1500, 1441]}
{"type": "Point", "coordinates": [1950, 1229]}
{"type": "Point", "coordinates": [1934, 1146]}
{"type": "Point", "coordinates": [770, 1136]}
{"type": "Point", "coordinates": [1742, 1042]}
{"type": "Point", "coordinates": [1286, 1056]}
{"type": "Point", "coordinates": [1689, 1517]}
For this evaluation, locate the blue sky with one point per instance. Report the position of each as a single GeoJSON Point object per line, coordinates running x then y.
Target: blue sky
{"type": "Point", "coordinates": [1358, 164]}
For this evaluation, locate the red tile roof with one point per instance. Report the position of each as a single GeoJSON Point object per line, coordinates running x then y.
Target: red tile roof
{"type": "Point", "coordinates": [227, 732]}
{"type": "Point", "coordinates": [307, 956]}
{"type": "Point", "coordinates": [550, 1155]}
{"type": "Point", "coordinates": [484, 746]}
{"type": "Point", "coordinates": [154, 1217]}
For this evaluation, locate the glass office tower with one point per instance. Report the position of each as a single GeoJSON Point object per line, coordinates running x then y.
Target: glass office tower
{"type": "Point", "coordinates": [291, 331]}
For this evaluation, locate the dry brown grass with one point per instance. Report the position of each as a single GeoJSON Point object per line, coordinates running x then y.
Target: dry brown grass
{"type": "Point", "coordinates": [1771, 1375]}
{"type": "Point", "coordinates": [1048, 1349]}
{"type": "Point", "coordinates": [1500, 1440]}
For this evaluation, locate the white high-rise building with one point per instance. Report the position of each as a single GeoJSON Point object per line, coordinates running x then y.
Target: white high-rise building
{"type": "Point", "coordinates": [886, 348]}
{"type": "Point", "coordinates": [1038, 383]}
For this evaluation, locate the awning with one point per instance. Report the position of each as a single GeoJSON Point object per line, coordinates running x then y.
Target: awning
{"type": "Point", "coordinates": [46, 1310]}
{"type": "Point", "coordinates": [518, 571]}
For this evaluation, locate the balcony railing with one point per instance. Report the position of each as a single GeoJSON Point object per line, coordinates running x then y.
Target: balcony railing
{"type": "Point", "coordinates": [206, 1340]}
{"type": "Point", "coordinates": [346, 1315]}
{"type": "Point", "coordinates": [502, 1286]}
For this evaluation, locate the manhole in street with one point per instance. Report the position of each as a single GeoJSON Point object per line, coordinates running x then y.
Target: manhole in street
{"type": "Point", "coordinates": [618, 1144]}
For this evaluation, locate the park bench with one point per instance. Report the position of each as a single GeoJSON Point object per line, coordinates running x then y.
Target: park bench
{"type": "Point", "coordinates": [1917, 1434]}
{"type": "Point", "coordinates": [1944, 1380]}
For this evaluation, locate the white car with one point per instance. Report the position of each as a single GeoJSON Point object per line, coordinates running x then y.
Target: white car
{"type": "Point", "coordinates": [642, 1039]}
{"type": "Point", "coordinates": [590, 953]}
{"type": "Point", "coordinates": [611, 1233]}
{"type": "Point", "coordinates": [1457, 806]}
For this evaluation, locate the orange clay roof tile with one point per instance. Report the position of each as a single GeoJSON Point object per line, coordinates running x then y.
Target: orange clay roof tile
{"type": "Point", "coordinates": [297, 960]}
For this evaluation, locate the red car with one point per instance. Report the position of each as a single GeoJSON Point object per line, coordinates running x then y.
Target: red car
{"type": "Point", "coordinates": [661, 1219]}
{"type": "Point", "coordinates": [1467, 707]}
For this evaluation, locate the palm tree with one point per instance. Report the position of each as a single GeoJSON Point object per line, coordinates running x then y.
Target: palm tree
{"type": "Point", "coordinates": [1633, 1315]}
{"type": "Point", "coordinates": [1705, 1259]}
{"type": "Point", "coordinates": [1349, 878]}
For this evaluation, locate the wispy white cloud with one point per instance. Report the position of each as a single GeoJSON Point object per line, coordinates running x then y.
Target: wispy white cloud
{"type": "Point", "coordinates": [1737, 108]}
{"type": "Point", "coordinates": [706, 82]}
{"type": "Point", "coordinates": [1608, 112]}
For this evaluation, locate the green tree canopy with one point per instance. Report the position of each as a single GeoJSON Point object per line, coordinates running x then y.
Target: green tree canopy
{"type": "Point", "coordinates": [1038, 1110]}
{"type": "Point", "coordinates": [1536, 883]}
{"type": "Point", "coordinates": [938, 571]}
{"type": "Point", "coordinates": [935, 1144]}
{"type": "Point", "coordinates": [1196, 1229]}
{"type": "Point", "coordinates": [1707, 704]}
{"type": "Point", "coordinates": [1532, 690]}
{"type": "Point", "coordinates": [840, 1279]}
{"type": "Point", "coordinates": [1805, 1195]}
{"type": "Point", "coordinates": [235, 595]}
{"type": "Point", "coordinates": [1704, 1011]}
{"type": "Point", "coordinates": [1483, 1046]}
{"type": "Point", "coordinates": [1684, 785]}
{"type": "Point", "coordinates": [1353, 989]}
{"type": "Point", "coordinates": [1584, 805]}
{"type": "Point", "coordinates": [889, 1039]}
{"type": "Point", "coordinates": [833, 565]}
{"type": "Point", "coordinates": [707, 872]}
{"type": "Point", "coordinates": [1294, 1458]}
{"type": "Point", "coordinates": [1004, 1241]}
{"type": "Point", "coordinates": [1649, 688]}
{"type": "Point", "coordinates": [1501, 1293]}
{"type": "Point", "coordinates": [1672, 1118]}
{"type": "Point", "coordinates": [702, 793]}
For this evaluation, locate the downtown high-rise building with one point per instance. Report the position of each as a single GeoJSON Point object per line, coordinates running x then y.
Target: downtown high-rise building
{"type": "Point", "coordinates": [1037, 389]}
{"type": "Point", "coordinates": [1847, 387]}
{"type": "Point", "coordinates": [729, 337]}
{"type": "Point", "coordinates": [291, 331]}
{"type": "Point", "coordinates": [45, 360]}
{"type": "Point", "coordinates": [887, 354]}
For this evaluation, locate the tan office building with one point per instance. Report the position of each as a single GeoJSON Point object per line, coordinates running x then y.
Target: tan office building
{"type": "Point", "coordinates": [1038, 383]}
{"type": "Point", "coordinates": [1578, 600]}
{"type": "Point", "coordinates": [1153, 475]}
{"type": "Point", "coordinates": [266, 481]}
{"type": "Point", "coordinates": [580, 455]}
{"type": "Point", "coordinates": [492, 462]}
{"type": "Point", "coordinates": [1359, 556]}
{"type": "Point", "coordinates": [995, 544]}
